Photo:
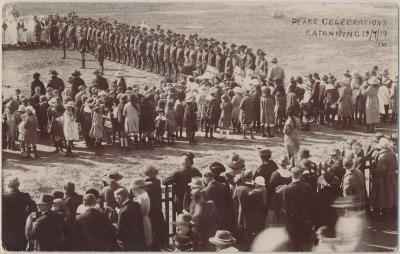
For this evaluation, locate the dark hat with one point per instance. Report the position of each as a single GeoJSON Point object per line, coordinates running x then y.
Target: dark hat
{"type": "Point", "coordinates": [183, 242]}
{"type": "Point", "coordinates": [306, 164]}
{"type": "Point", "coordinates": [217, 168]}
{"type": "Point", "coordinates": [331, 179]}
{"type": "Point", "coordinates": [36, 75]}
{"type": "Point", "coordinates": [274, 60]}
{"type": "Point", "coordinates": [189, 155]}
{"type": "Point", "coordinates": [304, 153]}
{"type": "Point", "coordinates": [76, 73]}
{"type": "Point", "coordinates": [112, 175]}
{"type": "Point", "coordinates": [263, 151]}
{"type": "Point", "coordinates": [53, 73]}
{"type": "Point", "coordinates": [45, 199]}
{"type": "Point", "coordinates": [94, 192]}
{"type": "Point", "coordinates": [233, 45]}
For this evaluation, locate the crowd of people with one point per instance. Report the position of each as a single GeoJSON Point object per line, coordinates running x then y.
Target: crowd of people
{"type": "Point", "coordinates": [223, 207]}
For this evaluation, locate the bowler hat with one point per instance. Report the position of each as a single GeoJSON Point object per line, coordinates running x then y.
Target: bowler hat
{"type": "Point", "coordinates": [36, 75]}
{"type": "Point", "coordinates": [274, 60]}
{"type": "Point", "coordinates": [53, 73]}
{"type": "Point", "coordinates": [222, 237]}
{"type": "Point", "coordinates": [45, 199]}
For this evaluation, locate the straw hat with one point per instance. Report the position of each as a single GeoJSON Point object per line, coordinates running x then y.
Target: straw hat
{"type": "Point", "coordinates": [222, 237]}
{"type": "Point", "coordinates": [235, 162]}
{"type": "Point", "coordinates": [196, 182]}
{"type": "Point", "coordinates": [21, 108]}
{"type": "Point", "coordinates": [30, 109]}
{"type": "Point", "coordinates": [259, 180]}
{"type": "Point", "coordinates": [138, 183]}
{"type": "Point", "coordinates": [70, 104]}
{"type": "Point", "coordinates": [284, 161]}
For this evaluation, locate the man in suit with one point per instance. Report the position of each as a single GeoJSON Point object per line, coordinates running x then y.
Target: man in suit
{"type": "Point", "coordinates": [44, 229]}
{"type": "Point", "coordinates": [277, 73]}
{"type": "Point", "coordinates": [130, 231]}
{"type": "Point", "coordinates": [298, 201]}
{"type": "Point", "coordinates": [353, 183]}
{"type": "Point", "coordinates": [94, 231]}
{"type": "Point", "coordinates": [220, 194]}
{"type": "Point", "coordinates": [17, 206]}
{"type": "Point", "coordinates": [72, 199]}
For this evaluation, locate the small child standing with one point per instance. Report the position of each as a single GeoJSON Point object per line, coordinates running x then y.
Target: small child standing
{"type": "Point", "coordinates": [171, 122]}
{"type": "Point", "coordinates": [160, 124]}
{"type": "Point", "coordinates": [42, 115]}
{"type": "Point", "coordinates": [21, 135]}
{"type": "Point", "coordinates": [108, 126]}
{"type": "Point", "coordinates": [31, 136]}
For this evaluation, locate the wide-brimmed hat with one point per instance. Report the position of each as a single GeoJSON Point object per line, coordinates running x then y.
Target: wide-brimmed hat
{"type": "Point", "coordinates": [138, 183]}
{"type": "Point", "coordinates": [346, 73]}
{"type": "Point", "coordinates": [284, 161]}
{"type": "Point", "coordinates": [53, 101]}
{"type": "Point", "coordinates": [76, 73]}
{"type": "Point", "coordinates": [222, 237]}
{"type": "Point", "coordinates": [150, 170]}
{"type": "Point", "coordinates": [90, 102]}
{"type": "Point", "coordinates": [45, 199]}
{"type": "Point", "coordinates": [112, 175]}
{"type": "Point", "coordinates": [274, 60]}
{"type": "Point", "coordinates": [259, 180]}
{"type": "Point", "coordinates": [196, 182]}
{"type": "Point", "coordinates": [53, 73]}
{"type": "Point", "coordinates": [235, 162]}
{"type": "Point", "coordinates": [30, 109]}
{"type": "Point", "coordinates": [183, 219]}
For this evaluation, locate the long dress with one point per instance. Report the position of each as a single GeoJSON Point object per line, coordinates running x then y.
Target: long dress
{"type": "Point", "coordinates": [383, 98]}
{"type": "Point", "coordinates": [291, 138]}
{"type": "Point", "coordinates": [71, 131]}
{"type": "Point", "coordinates": [236, 100]}
{"type": "Point", "coordinates": [371, 104]}
{"type": "Point", "coordinates": [345, 105]}
{"type": "Point", "coordinates": [226, 115]}
{"type": "Point", "coordinates": [267, 105]}
{"type": "Point", "coordinates": [131, 115]}
{"type": "Point", "coordinates": [144, 200]}
{"type": "Point", "coordinates": [97, 129]}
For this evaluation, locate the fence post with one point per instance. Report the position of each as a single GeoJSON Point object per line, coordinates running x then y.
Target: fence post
{"type": "Point", "coordinates": [173, 212]}
{"type": "Point", "coordinates": [167, 206]}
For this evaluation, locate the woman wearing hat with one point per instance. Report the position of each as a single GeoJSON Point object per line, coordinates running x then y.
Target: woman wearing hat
{"type": "Point", "coordinates": [138, 188]}
{"type": "Point", "coordinates": [71, 131]}
{"type": "Point", "coordinates": [236, 100]}
{"type": "Point", "coordinates": [331, 96]}
{"type": "Point", "coordinates": [226, 114]}
{"type": "Point", "coordinates": [267, 104]}
{"type": "Point", "coordinates": [370, 91]}
{"type": "Point", "coordinates": [345, 105]}
{"type": "Point", "coordinates": [291, 138]}
{"type": "Point", "coordinates": [223, 241]}
{"type": "Point", "coordinates": [12, 118]}
{"type": "Point", "coordinates": [190, 119]}
{"type": "Point", "coordinates": [279, 181]}
{"type": "Point", "coordinates": [97, 127]}
{"type": "Point", "coordinates": [37, 83]}
{"type": "Point", "coordinates": [247, 113]}
{"type": "Point", "coordinates": [56, 82]}
{"type": "Point", "coordinates": [55, 113]}
{"type": "Point", "coordinates": [76, 82]}
{"type": "Point", "coordinates": [131, 115]}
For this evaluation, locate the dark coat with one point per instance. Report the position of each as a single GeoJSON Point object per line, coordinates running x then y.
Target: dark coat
{"type": "Point", "coordinates": [213, 111]}
{"type": "Point", "coordinates": [47, 231]}
{"type": "Point", "coordinates": [146, 117]}
{"type": "Point", "coordinates": [244, 209]}
{"type": "Point", "coordinates": [130, 232]}
{"type": "Point", "coordinates": [190, 117]}
{"type": "Point", "coordinates": [325, 214]}
{"type": "Point", "coordinates": [37, 83]}
{"type": "Point", "coordinates": [100, 83]}
{"type": "Point", "coordinates": [179, 181]}
{"type": "Point", "coordinates": [16, 208]}
{"type": "Point", "coordinates": [159, 226]}
{"type": "Point", "coordinates": [31, 126]}
{"type": "Point", "coordinates": [75, 82]}
{"type": "Point", "coordinates": [205, 219]}
{"type": "Point", "coordinates": [220, 194]}
{"type": "Point", "coordinates": [293, 104]}
{"type": "Point", "coordinates": [94, 232]}
{"type": "Point", "coordinates": [56, 83]}
{"type": "Point", "coordinates": [73, 200]}
{"type": "Point", "coordinates": [266, 170]}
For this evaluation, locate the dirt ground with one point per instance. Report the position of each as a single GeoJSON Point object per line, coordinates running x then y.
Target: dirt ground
{"type": "Point", "coordinates": [51, 170]}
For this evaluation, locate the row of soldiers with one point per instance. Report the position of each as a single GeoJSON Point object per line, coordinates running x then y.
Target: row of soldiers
{"type": "Point", "coordinates": [163, 52]}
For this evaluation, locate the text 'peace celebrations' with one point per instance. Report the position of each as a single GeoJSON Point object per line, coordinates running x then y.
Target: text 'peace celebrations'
{"type": "Point", "coordinates": [344, 28]}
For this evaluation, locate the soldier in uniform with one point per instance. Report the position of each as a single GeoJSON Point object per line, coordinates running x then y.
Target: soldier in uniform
{"type": "Point", "coordinates": [180, 59]}
{"type": "Point", "coordinates": [100, 55]}
{"type": "Point", "coordinates": [155, 53]}
{"type": "Point", "coordinates": [82, 46]}
{"type": "Point", "coordinates": [204, 57]}
{"type": "Point", "coordinates": [117, 54]}
{"type": "Point", "coordinates": [149, 54]}
{"type": "Point", "coordinates": [172, 55]}
{"type": "Point", "coordinates": [142, 51]}
{"type": "Point", "coordinates": [166, 60]}
{"type": "Point", "coordinates": [161, 69]}
{"type": "Point", "coordinates": [63, 39]}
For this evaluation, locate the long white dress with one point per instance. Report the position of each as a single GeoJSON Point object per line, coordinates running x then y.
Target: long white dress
{"type": "Point", "coordinates": [383, 97]}
{"type": "Point", "coordinates": [70, 127]}
{"type": "Point", "coordinates": [144, 200]}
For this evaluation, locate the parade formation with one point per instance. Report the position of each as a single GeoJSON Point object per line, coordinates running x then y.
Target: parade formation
{"type": "Point", "coordinates": [220, 89]}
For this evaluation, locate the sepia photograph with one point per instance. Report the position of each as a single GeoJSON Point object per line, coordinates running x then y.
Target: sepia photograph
{"type": "Point", "coordinates": [199, 126]}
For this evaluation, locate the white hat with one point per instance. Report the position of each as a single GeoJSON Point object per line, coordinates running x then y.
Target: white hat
{"type": "Point", "coordinates": [30, 109]}
{"type": "Point", "coordinates": [259, 180]}
{"type": "Point", "coordinates": [21, 108]}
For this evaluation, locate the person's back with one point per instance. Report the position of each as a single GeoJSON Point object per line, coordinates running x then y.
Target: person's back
{"type": "Point", "coordinates": [94, 232]}
{"type": "Point", "coordinates": [130, 232]}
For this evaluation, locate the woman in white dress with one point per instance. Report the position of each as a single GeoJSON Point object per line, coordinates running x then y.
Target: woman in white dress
{"type": "Point", "coordinates": [131, 114]}
{"type": "Point", "coordinates": [138, 187]}
{"type": "Point", "coordinates": [70, 127]}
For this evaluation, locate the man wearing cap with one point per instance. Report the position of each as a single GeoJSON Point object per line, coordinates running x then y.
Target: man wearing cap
{"type": "Point", "coordinates": [82, 47]}
{"type": "Point", "coordinates": [93, 230]}
{"type": "Point", "coordinates": [56, 82]}
{"type": "Point", "coordinates": [76, 81]}
{"type": "Point", "coordinates": [130, 229]}
{"type": "Point", "coordinates": [44, 229]}
{"type": "Point", "coordinates": [16, 207]}
{"type": "Point", "coordinates": [100, 54]}
{"type": "Point", "coordinates": [277, 73]}
{"type": "Point", "coordinates": [267, 166]}
{"type": "Point", "coordinates": [37, 83]}
{"type": "Point", "coordinates": [99, 82]}
{"type": "Point", "coordinates": [298, 201]}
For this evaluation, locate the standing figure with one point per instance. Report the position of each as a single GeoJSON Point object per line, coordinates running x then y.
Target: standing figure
{"type": "Point", "coordinates": [291, 138]}
{"type": "Point", "coordinates": [370, 90]}
{"type": "Point", "coordinates": [71, 131]}
{"type": "Point", "coordinates": [267, 104]}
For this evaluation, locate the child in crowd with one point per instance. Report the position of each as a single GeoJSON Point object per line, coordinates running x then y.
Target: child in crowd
{"type": "Point", "coordinates": [160, 123]}
{"type": "Point", "coordinates": [171, 123]}
{"type": "Point", "coordinates": [41, 113]}
{"type": "Point", "coordinates": [21, 135]}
